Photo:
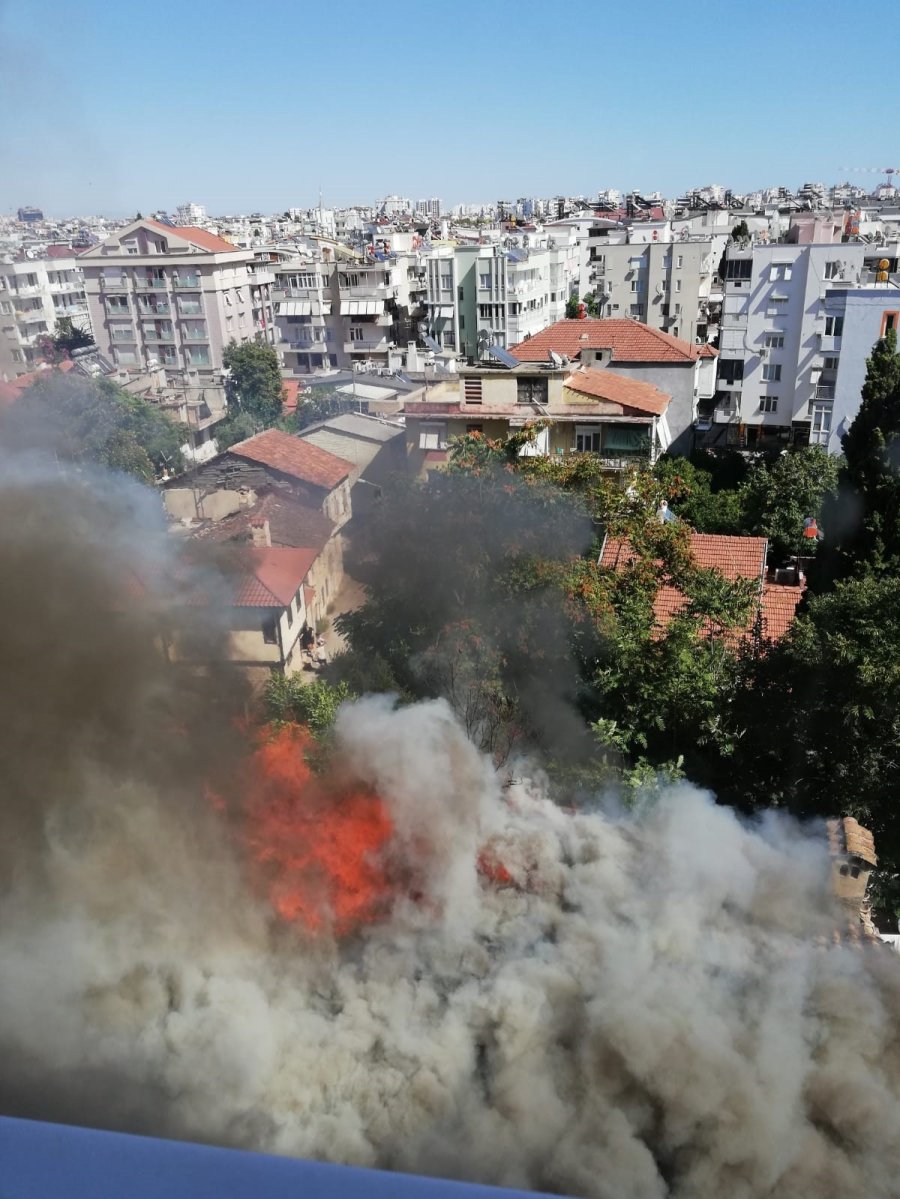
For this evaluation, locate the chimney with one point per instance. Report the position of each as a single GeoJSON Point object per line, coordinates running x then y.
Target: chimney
{"type": "Point", "coordinates": [259, 531]}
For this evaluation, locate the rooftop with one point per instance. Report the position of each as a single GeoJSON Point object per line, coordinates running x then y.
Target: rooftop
{"type": "Point", "coordinates": [629, 341]}
{"type": "Point", "coordinates": [630, 393]}
{"type": "Point", "coordinates": [272, 577]}
{"type": "Point", "coordinates": [197, 237]}
{"type": "Point", "coordinates": [293, 457]}
{"type": "Point", "coordinates": [291, 524]}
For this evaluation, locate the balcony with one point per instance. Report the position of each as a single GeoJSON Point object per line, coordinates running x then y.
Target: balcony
{"type": "Point", "coordinates": [367, 346]}
{"type": "Point", "coordinates": [186, 282]}
{"type": "Point", "coordinates": [122, 334]}
{"type": "Point", "coordinates": [144, 284]}
{"type": "Point", "coordinates": [190, 308]}
{"type": "Point", "coordinates": [195, 357]}
{"type": "Point", "coordinates": [824, 391]}
{"type": "Point", "coordinates": [70, 310]}
{"type": "Point", "coordinates": [188, 334]}
{"type": "Point", "coordinates": [158, 335]}
{"type": "Point", "coordinates": [828, 343]}
{"type": "Point", "coordinates": [367, 291]}
{"type": "Point", "coordinates": [384, 320]}
{"type": "Point", "coordinates": [158, 308]}
{"type": "Point", "coordinates": [120, 284]}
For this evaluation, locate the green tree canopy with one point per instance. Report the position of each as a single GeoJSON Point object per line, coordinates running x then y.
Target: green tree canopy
{"type": "Point", "coordinates": [254, 383]}
{"type": "Point", "coordinates": [93, 420]}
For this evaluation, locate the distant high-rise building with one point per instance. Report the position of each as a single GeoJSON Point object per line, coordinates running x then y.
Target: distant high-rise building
{"type": "Point", "coordinates": [30, 214]}
{"type": "Point", "coordinates": [190, 214]}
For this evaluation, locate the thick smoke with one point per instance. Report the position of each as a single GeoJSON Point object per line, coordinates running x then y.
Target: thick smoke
{"type": "Point", "coordinates": [626, 1007]}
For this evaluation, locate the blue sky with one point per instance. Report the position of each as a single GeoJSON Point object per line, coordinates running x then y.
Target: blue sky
{"type": "Point", "coordinates": [117, 106]}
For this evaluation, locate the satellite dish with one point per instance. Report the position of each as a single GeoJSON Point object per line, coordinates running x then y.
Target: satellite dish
{"type": "Point", "coordinates": [555, 358]}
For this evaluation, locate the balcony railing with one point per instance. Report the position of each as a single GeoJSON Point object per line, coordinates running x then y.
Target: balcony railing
{"type": "Point", "coordinates": [160, 308]}
{"type": "Point", "coordinates": [122, 334]}
{"type": "Point", "coordinates": [369, 346]}
{"type": "Point", "coordinates": [186, 281]}
{"type": "Point", "coordinates": [824, 391]}
{"type": "Point", "coordinates": [159, 335]}
{"type": "Point", "coordinates": [120, 284]}
{"type": "Point", "coordinates": [156, 284]}
{"type": "Point", "coordinates": [194, 334]}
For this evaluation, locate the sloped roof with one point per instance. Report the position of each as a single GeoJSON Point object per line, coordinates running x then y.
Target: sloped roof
{"type": "Point", "coordinates": [294, 457]}
{"type": "Point", "coordinates": [779, 607]}
{"type": "Point", "coordinates": [630, 341]}
{"type": "Point", "coordinates": [605, 385]}
{"type": "Point", "coordinates": [11, 391]}
{"type": "Point", "coordinates": [848, 836]}
{"type": "Point", "coordinates": [291, 523]}
{"type": "Point", "coordinates": [734, 557]}
{"type": "Point", "coordinates": [272, 577]}
{"type": "Point", "coordinates": [197, 237]}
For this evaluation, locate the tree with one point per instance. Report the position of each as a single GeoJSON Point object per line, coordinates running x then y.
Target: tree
{"type": "Point", "coordinates": [741, 231]}
{"type": "Point", "coordinates": [777, 498]}
{"type": "Point", "coordinates": [591, 303]}
{"type": "Point", "coordinates": [572, 307]}
{"type": "Point", "coordinates": [93, 420]}
{"type": "Point", "coordinates": [254, 384]}
{"type": "Point", "coordinates": [818, 727]}
{"type": "Point", "coordinates": [236, 428]}
{"type": "Point", "coordinates": [862, 523]}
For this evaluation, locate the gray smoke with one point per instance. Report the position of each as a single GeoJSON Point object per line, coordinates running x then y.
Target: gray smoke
{"type": "Point", "coordinates": [649, 1004]}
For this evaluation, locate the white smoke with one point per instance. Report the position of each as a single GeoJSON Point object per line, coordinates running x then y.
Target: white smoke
{"type": "Point", "coordinates": [655, 1007]}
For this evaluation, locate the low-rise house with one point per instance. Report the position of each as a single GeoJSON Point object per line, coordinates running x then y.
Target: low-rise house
{"type": "Point", "coordinates": [683, 371]}
{"type": "Point", "coordinates": [735, 558]}
{"type": "Point", "coordinates": [319, 479]}
{"type": "Point", "coordinates": [376, 449]}
{"type": "Point", "coordinates": [620, 420]}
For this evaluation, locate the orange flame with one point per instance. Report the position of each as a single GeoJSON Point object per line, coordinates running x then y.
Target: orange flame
{"type": "Point", "coordinates": [322, 854]}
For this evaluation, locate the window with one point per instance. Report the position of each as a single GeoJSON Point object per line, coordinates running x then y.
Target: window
{"type": "Point", "coordinates": [890, 320]}
{"type": "Point", "coordinates": [738, 269]}
{"type": "Point", "coordinates": [834, 326]}
{"type": "Point", "coordinates": [777, 306]}
{"type": "Point", "coordinates": [820, 416]}
{"type": "Point", "coordinates": [125, 357]}
{"type": "Point", "coordinates": [484, 312]}
{"type": "Point", "coordinates": [531, 390]}
{"type": "Point", "coordinates": [830, 363]}
{"type": "Point", "coordinates": [635, 264]}
{"type": "Point", "coordinates": [637, 311]}
{"type": "Point", "coordinates": [484, 280]}
{"type": "Point", "coordinates": [240, 294]}
{"type": "Point", "coordinates": [679, 262]}
{"type": "Point", "coordinates": [833, 270]}
{"type": "Point", "coordinates": [779, 271]}
{"type": "Point", "coordinates": [474, 428]}
{"type": "Point", "coordinates": [5, 306]}
{"type": "Point", "coordinates": [356, 333]}
{"type": "Point", "coordinates": [774, 341]}
{"type": "Point", "coordinates": [116, 304]}
{"type": "Point", "coordinates": [269, 631]}
{"type": "Point", "coordinates": [768, 404]}
{"type": "Point", "coordinates": [587, 439]}
{"type": "Point", "coordinates": [433, 437]}
{"type": "Point", "coordinates": [731, 370]}
{"type": "Point", "coordinates": [472, 390]}
{"type": "Point", "coordinates": [678, 285]}
{"type": "Point", "coordinates": [446, 283]}
{"type": "Point", "coordinates": [771, 372]}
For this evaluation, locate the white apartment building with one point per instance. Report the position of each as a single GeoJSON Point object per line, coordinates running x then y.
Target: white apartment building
{"type": "Point", "coordinates": [190, 214]}
{"type": "Point", "coordinates": [663, 273]}
{"type": "Point", "coordinates": [175, 297]}
{"type": "Point", "coordinates": [34, 294]}
{"type": "Point", "coordinates": [337, 315]}
{"type": "Point", "coordinates": [796, 320]}
{"type": "Point", "coordinates": [482, 295]}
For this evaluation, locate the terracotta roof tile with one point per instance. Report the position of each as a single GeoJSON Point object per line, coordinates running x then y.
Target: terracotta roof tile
{"type": "Point", "coordinates": [272, 577]}
{"type": "Point", "coordinates": [291, 524]}
{"type": "Point", "coordinates": [779, 607]}
{"type": "Point", "coordinates": [197, 237]}
{"type": "Point", "coordinates": [294, 457]}
{"type": "Point", "coordinates": [605, 385]}
{"type": "Point", "coordinates": [630, 341]}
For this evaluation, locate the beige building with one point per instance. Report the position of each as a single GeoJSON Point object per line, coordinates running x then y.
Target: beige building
{"type": "Point", "coordinates": [175, 297]}
{"type": "Point", "coordinates": [621, 421]}
{"type": "Point", "coordinates": [34, 294]}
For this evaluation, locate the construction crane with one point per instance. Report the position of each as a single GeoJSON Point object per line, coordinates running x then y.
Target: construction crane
{"type": "Point", "coordinates": [888, 172]}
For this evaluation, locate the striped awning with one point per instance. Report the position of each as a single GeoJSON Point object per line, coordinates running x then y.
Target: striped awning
{"type": "Point", "coordinates": [295, 308]}
{"type": "Point", "coordinates": [361, 307]}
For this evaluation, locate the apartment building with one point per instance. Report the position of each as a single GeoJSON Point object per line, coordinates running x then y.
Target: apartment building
{"type": "Point", "coordinates": [501, 294]}
{"type": "Point", "coordinates": [175, 297]}
{"type": "Point", "coordinates": [798, 322]}
{"type": "Point", "coordinates": [34, 294]}
{"type": "Point", "coordinates": [662, 273]}
{"type": "Point", "coordinates": [332, 315]}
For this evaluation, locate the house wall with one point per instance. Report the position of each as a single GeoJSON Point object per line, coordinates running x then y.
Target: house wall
{"type": "Point", "coordinates": [675, 379]}
{"type": "Point", "coordinates": [863, 312]}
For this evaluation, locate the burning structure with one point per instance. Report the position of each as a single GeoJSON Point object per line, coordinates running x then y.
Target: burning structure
{"type": "Point", "coordinates": [395, 961]}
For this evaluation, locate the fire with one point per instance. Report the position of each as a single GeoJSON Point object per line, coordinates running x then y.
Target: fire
{"type": "Point", "coordinates": [322, 853]}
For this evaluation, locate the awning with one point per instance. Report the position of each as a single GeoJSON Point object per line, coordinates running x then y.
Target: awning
{"type": "Point", "coordinates": [295, 308]}
{"type": "Point", "coordinates": [361, 307]}
{"type": "Point", "coordinates": [441, 310]}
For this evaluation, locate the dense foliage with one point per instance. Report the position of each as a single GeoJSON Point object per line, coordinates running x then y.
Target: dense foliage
{"type": "Point", "coordinates": [253, 386]}
{"type": "Point", "coordinates": [83, 420]}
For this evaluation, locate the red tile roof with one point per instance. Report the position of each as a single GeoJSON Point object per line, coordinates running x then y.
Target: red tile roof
{"type": "Point", "coordinates": [60, 252]}
{"type": "Point", "coordinates": [11, 391]}
{"type": "Point", "coordinates": [630, 341]}
{"type": "Point", "coordinates": [272, 577]}
{"type": "Point", "coordinates": [292, 524]}
{"type": "Point", "coordinates": [197, 237]}
{"type": "Point", "coordinates": [779, 607]}
{"type": "Point", "coordinates": [631, 393]}
{"type": "Point", "coordinates": [291, 391]}
{"type": "Point", "coordinates": [736, 558]}
{"type": "Point", "coordinates": [707, 351]}
{"type": "Point", "coordinates": [294, 457]}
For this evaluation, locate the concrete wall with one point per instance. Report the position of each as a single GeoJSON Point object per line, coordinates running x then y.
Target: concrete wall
{"type": "Point", "coordinates": [863, 313]}
{"type": "Point", "coordinates": [676, 380]}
